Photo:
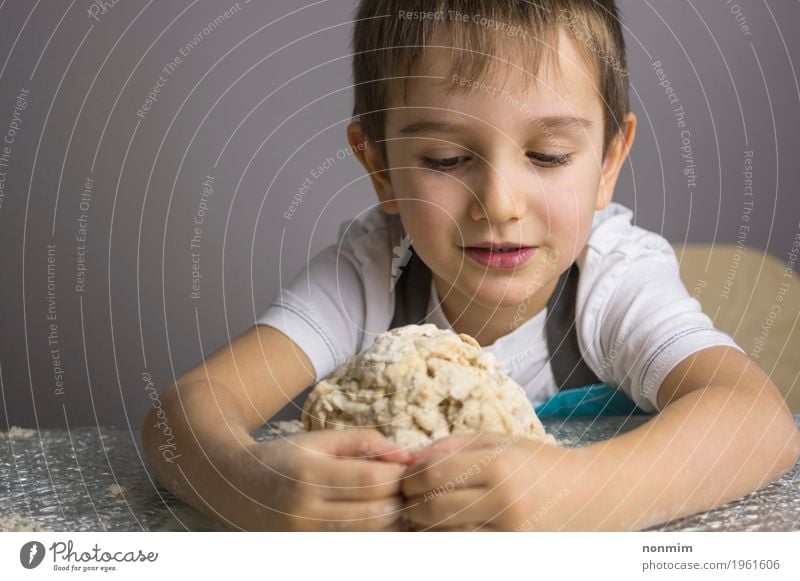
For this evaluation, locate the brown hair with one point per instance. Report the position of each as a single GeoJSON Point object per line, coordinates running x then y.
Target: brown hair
{"type": "Point", "coordinates": [390, 35]}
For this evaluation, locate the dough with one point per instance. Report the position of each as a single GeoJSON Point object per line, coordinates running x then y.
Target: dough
{"type": "Point", "coordinates": [120, 492]}
{"type": "Point", "coordinates": [417, 384]}
{"type": "Point", "coordinates": [288, 427]}
{"type": "Point", "coordinates": [17, 432]}
{"type": "Point", "coordinates": [18, 523]}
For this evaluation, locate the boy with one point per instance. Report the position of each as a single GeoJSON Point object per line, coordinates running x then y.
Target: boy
{"type": "Point", "coordinates": [493, 133]}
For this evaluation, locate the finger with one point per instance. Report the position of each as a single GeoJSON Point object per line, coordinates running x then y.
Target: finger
{"type": "Point", "coordinates": [343, 479]}
{"type": "Point", "coordinates": [470, 528]}
{"type": "Point", "coordinates": [443, 474]}
{"type": "Point", "coordinates": [461, 443]}
{"type": "Point", "coordinates": [468, 507]}
{"type": "Point", "coordinates": [370, 515]}
{"type": "Point", "coordinates": [399, 526]}
{"type": "Point", "coordinates": [365, 443]}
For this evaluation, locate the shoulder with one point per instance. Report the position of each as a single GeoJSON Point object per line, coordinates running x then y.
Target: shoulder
{"type": "Point", "coordinates": [625, 272]}
{"type": "Point", "coordinates": [370, 235]}
{"type": "Point", "coordinates": [370, 242]}
{"type": "Point", "coordinates": [333, 304]}
{"type": "Point", "coordinates": [363, 252]}
{"type": "Point", "coordinates": [617, 249]}
{"type": "Point", "coordinates": [620, 260]}
{"type": "Point", "coordinates": [613, 232]}
{"type": "Point", "coordinates": [364, 243]}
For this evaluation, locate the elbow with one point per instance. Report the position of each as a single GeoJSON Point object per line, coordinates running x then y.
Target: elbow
{"type": "Point", "coordinates": [785, 430]}
{"type": "Point", "coordinates": [793, 449]}
{"type": "Point", "coordinates": [789, 453]}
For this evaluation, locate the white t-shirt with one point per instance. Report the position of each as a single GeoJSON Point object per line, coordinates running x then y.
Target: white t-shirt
{"type": "Point", "coordinates": [635, 320]}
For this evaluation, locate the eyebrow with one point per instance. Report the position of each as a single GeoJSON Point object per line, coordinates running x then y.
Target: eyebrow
{"type": "Point", "coordinates": [552, 123]}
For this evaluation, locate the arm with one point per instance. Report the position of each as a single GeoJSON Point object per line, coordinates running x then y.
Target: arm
{"type": "Point", "coordinates": [215, 406]}
{"type": "Point", "coordinates": [725, 431]}
{"type": "Point", "coordinates": [199, 446]}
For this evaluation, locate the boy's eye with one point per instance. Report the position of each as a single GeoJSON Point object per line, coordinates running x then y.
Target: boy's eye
{"type": "Point", "coordinates": [551, 160]}
{"type": "Point", "coordinates": [445, 164]}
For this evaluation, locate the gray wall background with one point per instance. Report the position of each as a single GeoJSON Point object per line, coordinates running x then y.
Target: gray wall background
{"type": "Point", "coordinates": [258, 103]}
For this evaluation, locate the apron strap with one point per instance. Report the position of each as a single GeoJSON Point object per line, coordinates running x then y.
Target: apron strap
{"type": "Point", "coordinates": [412, 293]}
{"type": "Point", "coordinates": [566, 361]}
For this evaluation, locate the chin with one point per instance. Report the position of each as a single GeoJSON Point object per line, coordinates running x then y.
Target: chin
{"type": "Point", "coordinates": [501, 294]}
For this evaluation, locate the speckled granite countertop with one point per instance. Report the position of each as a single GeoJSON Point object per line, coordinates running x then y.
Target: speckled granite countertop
{"type": "Point", "coordinates": [94, 480]}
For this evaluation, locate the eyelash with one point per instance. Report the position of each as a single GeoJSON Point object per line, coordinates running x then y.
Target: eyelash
{"type": "Point", "coordinates": [552, 161]}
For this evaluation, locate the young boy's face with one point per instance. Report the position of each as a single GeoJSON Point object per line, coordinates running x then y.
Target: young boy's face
{"type": "Point", "coordinates": [518, 162]}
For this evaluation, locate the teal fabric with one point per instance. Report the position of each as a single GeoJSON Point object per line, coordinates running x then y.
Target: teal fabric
{"type": "Point", "coordinates": [597, 399]}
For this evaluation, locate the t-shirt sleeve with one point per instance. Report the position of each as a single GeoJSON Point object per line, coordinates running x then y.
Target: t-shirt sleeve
{"type": "Point", "coordinates": [321, 310]}
{"type": "Point", "coordinates": [636, 319]}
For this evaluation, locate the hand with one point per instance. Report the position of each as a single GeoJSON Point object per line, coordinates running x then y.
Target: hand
{"type": "Point", "coordinates": [322, 480]}
{"type": "Point", "coordinates": [492, 482]}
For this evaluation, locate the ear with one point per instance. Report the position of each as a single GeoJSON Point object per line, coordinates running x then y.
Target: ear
{"type": "Point", "coordinates": [370, 157]}
{"type": "Point", "coordinates": [615, 157]}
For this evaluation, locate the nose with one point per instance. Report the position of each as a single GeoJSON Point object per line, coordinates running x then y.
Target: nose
{"type": "Point", "coordinates": [494, 197]}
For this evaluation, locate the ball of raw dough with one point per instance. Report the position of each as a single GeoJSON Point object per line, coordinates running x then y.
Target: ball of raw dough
{"type": "Point", "coordinates": [417, 384]}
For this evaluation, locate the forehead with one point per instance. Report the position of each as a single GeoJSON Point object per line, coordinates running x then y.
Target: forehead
{"type": "Point", "coordinates": [563, 86]}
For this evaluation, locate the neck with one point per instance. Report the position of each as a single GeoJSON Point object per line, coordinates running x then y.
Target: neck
{"type": "Point", "coordinates": [487, 324]}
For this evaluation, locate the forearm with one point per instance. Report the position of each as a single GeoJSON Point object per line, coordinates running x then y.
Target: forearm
{"type": "Point", "coordinates": [712, 446]}
{"type": "Point", "coordinates": [189, 439]}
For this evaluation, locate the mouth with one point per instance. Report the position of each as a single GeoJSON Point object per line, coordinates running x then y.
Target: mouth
{"type": "Point", "coordinates": [487, 245]}
{"type": "Point", "coordinates": [500, 255]}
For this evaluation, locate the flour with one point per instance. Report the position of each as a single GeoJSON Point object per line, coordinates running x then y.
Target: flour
{"type": "Point", "coordinates": [288, 427]}
{"type": "Point", "coordinates": [15, 432]}
{"type": "Point", "coordinates": [119, 492]}
{"type": "Point", "coordinates": [18, 523]}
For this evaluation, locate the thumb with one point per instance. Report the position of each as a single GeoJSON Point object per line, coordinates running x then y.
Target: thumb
{"type": "Point", "coordinates": [365, 443]}
{"type": "Point", "coordinates": [462, 443]}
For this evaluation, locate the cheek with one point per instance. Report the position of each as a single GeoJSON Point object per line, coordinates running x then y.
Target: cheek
{"type": "Point", "coordinates": [419, 220]}
{"type": "Point", "coordinates": [429, 225]}
{"type": "Point", "coordinates": [566, 214]}
{"type": "Point", "coordinates": [558, 211]}
{"type": "Point", "coordinates": [430, 206]}
{"type": "Point", "coordinates": [567, 226]}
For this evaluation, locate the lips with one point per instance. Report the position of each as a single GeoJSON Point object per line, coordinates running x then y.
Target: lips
{"type": "Point", "coordinates": [509, 249]}
{"type": "Point", "coordinates": [498, 245]}
{"type": "Point", "coordinates": [500, 255]}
